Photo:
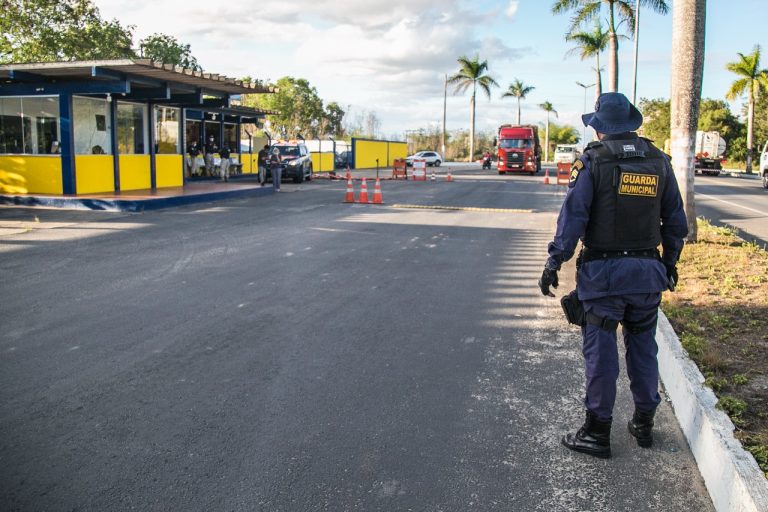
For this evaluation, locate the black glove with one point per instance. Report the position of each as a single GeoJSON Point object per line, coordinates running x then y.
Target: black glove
{"type": "Point", "coordinates": [548, 278]}
{"type": "Point", "coordinates": [672, 276]}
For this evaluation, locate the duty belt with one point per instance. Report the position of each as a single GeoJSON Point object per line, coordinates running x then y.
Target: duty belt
{"type": "Point", "coordinates": [596, 254]}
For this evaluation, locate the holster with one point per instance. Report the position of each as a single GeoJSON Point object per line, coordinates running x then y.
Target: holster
{"type": "Point", "coordinates": [574, 310]}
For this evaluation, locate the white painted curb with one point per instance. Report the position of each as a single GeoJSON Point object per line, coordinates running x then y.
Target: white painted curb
{"type": "Point", "coordinates": [732, 476]}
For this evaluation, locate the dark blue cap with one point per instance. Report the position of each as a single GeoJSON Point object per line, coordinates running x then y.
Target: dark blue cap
{"type": "Point", "coordinates": [613, 114]}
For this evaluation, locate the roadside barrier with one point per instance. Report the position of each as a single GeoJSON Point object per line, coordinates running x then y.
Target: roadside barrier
{"type": "Point", "coordinates": [377, 198]}
{"type": "Point", "coordinates": [363, 199]}
{"type": "Point", "coordinates": [399, 169]}
{"type": "Point", "coordinates": [419, 169]}
{"type": "Point", "coordinates": [350, 197]}
{"type": "Point", "coordinates": [563, 174]}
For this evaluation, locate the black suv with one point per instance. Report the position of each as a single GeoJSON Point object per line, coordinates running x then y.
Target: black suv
{"type": "Point", "coordinates": [295, 161]}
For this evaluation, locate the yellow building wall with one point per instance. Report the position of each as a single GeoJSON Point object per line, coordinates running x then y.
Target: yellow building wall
{"type": "Point", "coordinates": [30, 175]}
{"type": "Point", "coordinates": [169, 171]}
{"type": "Point", "coordinates": [397, 150]}
{"type": "Point", "coordinates": [367, 151]}
{"type": "Point", "coordinates": [251, 163]}
{"type": "Point", "coordinates": [323, 162]}
{"type": "Point", "coordinates": [94, 173]}
{"type": "Point", "coordinates": [135, 173]}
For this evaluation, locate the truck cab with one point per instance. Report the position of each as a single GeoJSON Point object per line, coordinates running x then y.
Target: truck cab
{"type": "Point", "coordinates": [518, 149]}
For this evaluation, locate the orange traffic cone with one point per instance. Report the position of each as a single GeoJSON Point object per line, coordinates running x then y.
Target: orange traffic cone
{"type": "Point", "coordinates": [377, 199]}
{"type": "Point", "coordinates": [350, 197]}
{"type": "Point", "coordinates": [546, 177]}
{"type": "Point", "coordinates": [363, 193]}
{"type": "Point", "coordinates": [449, 177]}
{"type": "Point", "coordinates": [349, 174]}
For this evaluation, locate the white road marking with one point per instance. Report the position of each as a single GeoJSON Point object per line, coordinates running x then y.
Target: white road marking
{"type": "Point", "coordinates": [733, 204]}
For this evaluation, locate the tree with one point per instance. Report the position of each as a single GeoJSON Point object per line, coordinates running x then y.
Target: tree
{"type": "Point", "coordinates": [656, 120]}
{"type": "Point", "coordinates": [751, 80]}
{"type": "Point", "coordinates": [60, 30]}
{"type": "Point", "coordinates": [298, 106]}
{"type": "Point", "coordinates": [335, 116]}
{"type": "Point", "coordinates": [688, 25]}
{"type": "Point", "coordinates": [590, 44]}
{"type": "Point", "coordinates": [587, 10]}
{"type": "Point", "coordinates": [168, 49]}
{"type": "Point", "coordinates": [548, 108]}
{"type": "Point", "coordinates": [472, 73]}
{"type": "Point", "coordinates": [519, 90]}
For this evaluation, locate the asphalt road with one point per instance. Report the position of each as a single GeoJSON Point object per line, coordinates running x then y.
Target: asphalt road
{"type": "Point", "coordinates": [292, 353]}
{"type": "Point", "coordinates": [741, 203]}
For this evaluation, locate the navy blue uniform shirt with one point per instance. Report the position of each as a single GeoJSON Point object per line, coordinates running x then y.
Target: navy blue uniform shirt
{"type": "Point", "coordinates": [618, 276]}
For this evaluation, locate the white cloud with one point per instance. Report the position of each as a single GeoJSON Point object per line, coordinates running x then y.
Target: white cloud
{"type": "Point", "coordinates": [512, 8]}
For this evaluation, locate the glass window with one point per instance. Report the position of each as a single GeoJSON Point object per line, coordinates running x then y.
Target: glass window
{"type": "Point", "coordinates": [193, 134]}
{"type": "Point", "coordinates": [231, 136]}
{"type": "Point", "coordinates": [212, 128]}
{"type": "Point", "coordinates": [167, 130]}
{"type": "Point", "coordinates": [131, 128]}
{"type": "Point", "coordinates": [29, 125]}
{"type": "Point", "coordinates": [92, 125]}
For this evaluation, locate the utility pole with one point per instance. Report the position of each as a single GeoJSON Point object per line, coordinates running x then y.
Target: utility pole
{"type": "Point", "coordinates": [584, 132]}
{"type": "Point", "coordinates": [445, 108]}
{"type": "Point", "coordinates": [637, 43]}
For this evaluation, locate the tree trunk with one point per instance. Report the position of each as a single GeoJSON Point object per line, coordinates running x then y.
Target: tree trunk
{"type": "Point", "coordinates": [688, 22]}
{"type": "Point", "coordinates": [518, 110]}
{"type": "Point", "coordinates": [472, 128]}
{"type": "Point", "coordinates": [599, 82]}
{"type": "Point", "coordinates": [546, 148]}
{"type": "Point", "coordinates": [613, 54]}
{"type": "Point", "coordinates": [750, 121]}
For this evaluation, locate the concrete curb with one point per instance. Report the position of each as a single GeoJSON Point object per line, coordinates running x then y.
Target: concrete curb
{"type": "Point", "coordinates": [732, 476]}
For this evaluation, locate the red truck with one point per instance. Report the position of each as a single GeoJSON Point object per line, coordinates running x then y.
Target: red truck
{"type": "Point", "coordinates": [518, 149]}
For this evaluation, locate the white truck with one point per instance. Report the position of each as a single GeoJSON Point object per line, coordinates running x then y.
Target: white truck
{"type": "Point", "coordinates": [710, 153]}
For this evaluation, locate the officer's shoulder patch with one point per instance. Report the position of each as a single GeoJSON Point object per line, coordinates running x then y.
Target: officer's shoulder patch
{"type": "Point", "coordinates": [576, 168]}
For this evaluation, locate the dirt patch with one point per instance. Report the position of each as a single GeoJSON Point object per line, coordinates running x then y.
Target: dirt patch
{"type": "Point", "coordinates": [720, 312]}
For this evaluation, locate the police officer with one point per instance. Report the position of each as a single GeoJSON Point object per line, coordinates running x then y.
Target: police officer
{"type": "Point", "coordinates": [622, 202]}
{"type": "Point", "coordinates": [224, 154]}
{"type": "Point", "coordinates": [192, 152]}
{"type": "Point", "coordinates": [210, 149]}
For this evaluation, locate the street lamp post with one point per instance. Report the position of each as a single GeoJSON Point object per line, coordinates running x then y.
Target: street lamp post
{"type": "Point", "coordinates": [585, 87]}
{"type": "Point", "coordinates": [637, 42]}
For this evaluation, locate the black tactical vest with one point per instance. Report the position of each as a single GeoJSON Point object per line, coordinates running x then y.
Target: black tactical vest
{"type": "Point", "coordinates": [628, 177]}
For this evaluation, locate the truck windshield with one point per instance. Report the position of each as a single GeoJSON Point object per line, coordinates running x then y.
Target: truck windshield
{"type": "Point", "coordinates": [515, 143]}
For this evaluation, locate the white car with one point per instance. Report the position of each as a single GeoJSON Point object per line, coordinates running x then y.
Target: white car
{"type": "Point", "coordinates": [432, 158]}
{"type": "Point", "coordinates": [764, 165]}
{"type": "Point", "coordinates": [566, 154]}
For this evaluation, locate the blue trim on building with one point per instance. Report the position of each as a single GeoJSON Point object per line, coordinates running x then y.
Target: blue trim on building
{"type": "Point", "coordinates": [152, 147]}
{"type": "Point", "coordinates": [47, 89]}
{"type": "Point", "coordinates": [131, 205]}
{"type": "Point", "coordinates": [113, 143]}
{"type": "Point", "coordinates": [67, 144]}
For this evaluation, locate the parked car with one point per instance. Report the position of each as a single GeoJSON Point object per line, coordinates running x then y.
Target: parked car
{"type": "Point", "coordinates": [566, 154]}
{"type": "Point", "coordinates": [432, 158]}
{"type": "Point", "coordinates": [341, 160]}
{"type": "Point", "coordinates": [295, 160]}
{"type": "Point", "coordinates": [764, 164]}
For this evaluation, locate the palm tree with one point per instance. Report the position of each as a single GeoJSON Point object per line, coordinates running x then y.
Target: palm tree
{"type": "Point", "coordinates": [519, 90]}
{"type": "Point", "coordinates": [590, 44]}
{"type": "Point", "coordinates": [548, 108]}
{"type": "Point", "coordinates": [587, 10]}
{"type": "Point", "coordinates": [472, 74]}
{"type": "Point", "coordinates": [751, 80]}
{"type": "Point", "coordinates": [688, 24]}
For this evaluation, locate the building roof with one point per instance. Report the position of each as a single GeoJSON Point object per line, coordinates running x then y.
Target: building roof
{"type": "Point", "coordinates": [136, 70]}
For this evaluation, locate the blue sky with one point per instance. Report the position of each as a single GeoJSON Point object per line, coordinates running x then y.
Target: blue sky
{"type": "Point", "coordinates": [390, 56]}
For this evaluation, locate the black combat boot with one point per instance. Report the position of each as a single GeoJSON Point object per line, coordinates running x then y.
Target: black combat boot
{"type": "Point", "coordinates": [641, 426]}
{"type": "Point", "coordinates": [593, 438]}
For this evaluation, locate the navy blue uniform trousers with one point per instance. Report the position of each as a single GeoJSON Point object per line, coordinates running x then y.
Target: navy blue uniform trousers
{"type": "Point", "coordinates": [602, 359]}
